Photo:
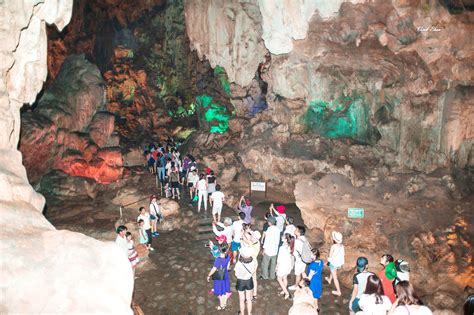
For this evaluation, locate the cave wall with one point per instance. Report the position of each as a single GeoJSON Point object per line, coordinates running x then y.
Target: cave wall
{"type": "Point", "coordinates": [42, 268]}
{"type": "Point", "coordinates": [385, 73]}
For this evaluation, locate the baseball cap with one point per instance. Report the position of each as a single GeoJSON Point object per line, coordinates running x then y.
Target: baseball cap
{"type": "Point", "coordinates": [221, 238]}
{"type": "Point", "coordinates": [361, 263]}
{"type": "Point", "coordinates": [280, 209]}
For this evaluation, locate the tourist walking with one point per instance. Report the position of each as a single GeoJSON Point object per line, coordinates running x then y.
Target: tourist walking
{"type": "Point", "coordinates": [211, 185]}
{"type": "Point", "coordinates": [408, 301]}
{"type": "Point", "coordinates": [290, 227]}
{"type": "Point", "coordinates": [280, 216]}
{"type": "Point", "coordinates": [143, 235]}
{"type": "Point", "coordinates": [270, 250]}
{"type": "Point", "coordinates": [216, 248]}
{"type": "Point", "coordinates": [251, 241]}
{"type": "Point", "coordinates": [237, 227]}
{"type": "Point", "coordinates": [335, 260]}
{"type": "Point", "coordinates": [132, 253]}
{"type": "Point", "coordinates": [145, 216]}
{"type": "Point", "coordinates": [285, 262]}
{"type": "Point", "coordinates": [174, 182]}
{"type": "Point", "coordinates": [359, 282]}
{"type": "Point", "coordinates": [300, 265]}
{"type": "Point", "coordinates": [217, 198]}
{"type": "Point", "coordinates": [244, 270]}
{"type": "Point", "coordinates": [373, 301]}
{"type": "Point", "coordinates": [220, 276]}
{"type": "Point", "coordinates": [245, 206]}
{"type": "Point", "coordinates": [155, 215]}
{"type": "Point", "coordinates": [226, 228]}
{"type": "Point", "coordinates": [161, 163]}
{"type": "Point", "coordinates": [315, 276]}
{"type": "Point", "coordinates": [387, 275]}
{"type": "Point", "coordinates": [121, 239]}
{"type": "Point", "coordinates": [201, 187]}
{"type": "Point", "coordinates": [192, 180]}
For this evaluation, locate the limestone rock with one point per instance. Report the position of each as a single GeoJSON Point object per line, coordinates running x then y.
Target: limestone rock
{"type": "Point", "coordinates": [101, 128]}
{"type": "Point", "coordinates": [48, 260]}
{"type": "Point", "coordinates": [61, 184]}
{"type": "Point", "coordinates": [169, 207]}
{"type": "Point", "coordinates": [134, 157]}
{"type": "Point", "coordinates": [65, 112]}
{"type": "Point", "coordinates": [228, 34]}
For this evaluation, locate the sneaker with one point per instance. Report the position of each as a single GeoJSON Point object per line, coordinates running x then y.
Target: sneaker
{"type": "Point", "coordinates": [293, 287]}
{"type": "Point", "coordinates": [151, 248]}
{"type": "Point", "coordinates": [157, 234]}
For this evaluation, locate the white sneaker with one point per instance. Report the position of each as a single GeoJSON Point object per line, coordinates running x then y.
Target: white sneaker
{"type": "Point", "coordinates": [151, 248]}
{"type": "Point", "coordinates": [293, 287]}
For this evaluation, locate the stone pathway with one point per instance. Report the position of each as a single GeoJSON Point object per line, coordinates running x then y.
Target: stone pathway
{"type": "Point", "coordinates": [177, 283]}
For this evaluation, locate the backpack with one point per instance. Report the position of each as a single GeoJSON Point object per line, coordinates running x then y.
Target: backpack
{"type": "Point", "coordinates": [305, 254]}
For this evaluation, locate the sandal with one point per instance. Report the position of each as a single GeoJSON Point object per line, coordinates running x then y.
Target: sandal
{"type": "Point", "coordinates": [220, 308]}
{"type": "Point", "coordinates": [287, 297]}
{"type": "Point", "coordinates": [336, 293]}
{"type": "Point", "coordinates": [254, 298]}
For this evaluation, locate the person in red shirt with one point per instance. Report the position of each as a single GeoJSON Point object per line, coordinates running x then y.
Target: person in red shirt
{"type": "Point", "coordinates": [387, 275]}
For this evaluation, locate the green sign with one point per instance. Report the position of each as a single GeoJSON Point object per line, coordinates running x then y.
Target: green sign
{"type": "Point", "coordinates": [355, 213]}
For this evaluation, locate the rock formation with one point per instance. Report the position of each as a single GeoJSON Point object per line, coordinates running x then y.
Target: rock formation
{"type": "Point", "coordinates": [69, 129]}
{"type": "Point", "coordinates": [51, 263]}
{"type": "Point", "coordinates": [357, 92]}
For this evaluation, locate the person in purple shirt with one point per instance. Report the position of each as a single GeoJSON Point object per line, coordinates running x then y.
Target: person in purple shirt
{"type": "Point", "coordinates": [245, 206]}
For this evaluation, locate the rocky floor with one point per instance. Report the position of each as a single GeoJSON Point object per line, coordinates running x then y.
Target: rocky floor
{"type": "Point", "coordinates": [177, 282]}
{"type": "Point", "coordinates": [172, 280]}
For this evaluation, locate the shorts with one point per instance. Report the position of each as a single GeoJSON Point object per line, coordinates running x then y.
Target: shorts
{"type": "Point", "coordinates": [216, 209]}
{"type": "Point", "coordinates": [190, 185]}
{"type": "Point", "coordinates": [300, 267]}
{"type": "Point", "coordinates": [235, 246]}
{"type": "Point", "coordinates": [174, 184]}
{"type": "Point", "coordinates": [332, 267]}
{"type": "Point", "coordinates": [151, 162]}
{"type": "Point", "coordinates": [244, 285]}
{"type": "Point", "coordinates": [355, 305]}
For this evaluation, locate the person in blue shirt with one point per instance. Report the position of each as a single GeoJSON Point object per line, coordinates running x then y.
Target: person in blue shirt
{"type": "Point", "coordinates": [315, 275]}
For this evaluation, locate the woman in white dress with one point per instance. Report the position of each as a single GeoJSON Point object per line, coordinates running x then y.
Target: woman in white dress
{"type": "Point", "coordinates": [285, 263]}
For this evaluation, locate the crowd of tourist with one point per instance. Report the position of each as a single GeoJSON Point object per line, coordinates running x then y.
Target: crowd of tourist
{"type": "Point", "coordinates": [283, 247]}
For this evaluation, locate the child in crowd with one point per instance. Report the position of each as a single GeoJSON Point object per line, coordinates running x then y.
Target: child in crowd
{"type": "Point", "coordinates": [143, 235]}
{"type": "Point", "coordinates": [132, 253]}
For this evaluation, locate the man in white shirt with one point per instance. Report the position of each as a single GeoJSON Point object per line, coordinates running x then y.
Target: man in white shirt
{"type": "Point", "coordinates": [237, 235]}
{"type": "Point", "coordinates": [300, 266]}
{"type": "Point", "coordinates": [121, 239]}
{"type": "Point", "coordinates": [270, 249]}
{"type": "Point", "coordinates": [217, 198]}
{"type": "Point", "coordinates": [227, 228]}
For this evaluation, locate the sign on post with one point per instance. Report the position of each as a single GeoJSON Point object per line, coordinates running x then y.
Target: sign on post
{"type": "Point", "coordinates": [355, 213]}
{"type": "Point", "coordinates": [258, 186]}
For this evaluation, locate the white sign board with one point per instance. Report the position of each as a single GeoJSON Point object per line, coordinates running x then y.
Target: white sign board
{"type": "Point", "coordinates": [258, 186]}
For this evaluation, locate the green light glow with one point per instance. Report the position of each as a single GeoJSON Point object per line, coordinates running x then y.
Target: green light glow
{"type": "Point", "coordinates": [345, 117]}
{"type": "Point", "coordinates": [213, 113]}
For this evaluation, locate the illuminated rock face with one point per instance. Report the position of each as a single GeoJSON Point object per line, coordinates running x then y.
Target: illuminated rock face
{"type": "Point", "coordinates": [69, 129]}
{"type": "Point", "coordinates": [409, 89]}
{"type": "Point", "coordinates": [42, 268]}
